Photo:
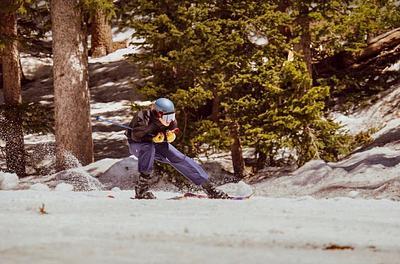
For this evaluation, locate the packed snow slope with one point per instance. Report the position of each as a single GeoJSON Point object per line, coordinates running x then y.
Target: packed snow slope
{"type": "Point", "coordinates": [87, 227]}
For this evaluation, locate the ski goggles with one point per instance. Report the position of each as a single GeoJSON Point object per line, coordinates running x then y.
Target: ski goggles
{"type": "Point", "coordinates": [168, 117]}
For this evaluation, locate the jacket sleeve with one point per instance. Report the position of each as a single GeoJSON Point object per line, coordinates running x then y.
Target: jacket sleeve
{"type": "Point", "coordinates": [142, 129]}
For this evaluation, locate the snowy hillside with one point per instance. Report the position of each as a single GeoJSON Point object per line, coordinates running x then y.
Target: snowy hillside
{"type": "Point", "coordinates": [371, 172]}
{"type": "Point", "coordinates": [240, 75]}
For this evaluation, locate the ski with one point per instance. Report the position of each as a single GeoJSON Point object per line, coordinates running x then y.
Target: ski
{"type": "Point", "coordinates": [190, 195]}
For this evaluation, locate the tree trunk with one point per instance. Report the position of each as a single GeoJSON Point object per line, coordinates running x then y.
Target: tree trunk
{"type": "Point", "coordinates": [12, 131]}
{"type": "Point", "coordinates": [71, 93]}
{"type": "Point", "coordinates": [236, 151]}
{"type": "Point", "coordinates": [305, 38]}
{"type": "Point", "coordinates": [378, 44]}
{"type": "Point", "coordinates": [1, 70]}
{"type": "Point", "coordinates": [215, 107]}
{"type": "Point", "coordinates": [261, 160]}
{"type": "Point", "coordinates": [282, 7]}
{"type": "Point", "coordinates": [101, 35]}
{"type": "Point", "coordinates": [385, 45]}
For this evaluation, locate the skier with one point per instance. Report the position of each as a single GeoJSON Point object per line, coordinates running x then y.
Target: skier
{"type": "Point", "coordinates": [153, 131]}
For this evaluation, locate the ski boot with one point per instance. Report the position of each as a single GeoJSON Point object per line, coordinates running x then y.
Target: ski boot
{"type": "Point", "coordinates": [212, 192]}
{"type": "Point", "coordinates": [142, 188]}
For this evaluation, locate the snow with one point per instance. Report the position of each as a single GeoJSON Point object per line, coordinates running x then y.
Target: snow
{"type": "Point", "coordinates": [353, 194]}
{"type": "Point", "coordinates": [260, 230]}
{"type": "Point", "coordinates": [39, 187]}
{"type": "Point", "coordinates": [110, 135]}
{"type": "Point", "coordinates": [394, 67]}
{"type": "Point", "coordinates": [374, 173]}
{"type": "Point", "coordinates": [121, 35]}
{"type": "Point", "coordinates": [257, 39]}
{"type": "Point", "coordinates": [99, 167]}
{"type": "Point", "coordinates": [31, 139]}
{"type": "Point", "coordinates": [353, 123]}
{"type": "Point", "coordinates": [64, 187]}
{"type": "Point", "coordinates": [80, 179]}
{"type": "Point", "coordinates": [283, 223]}
{"type": "Point", "coordinates": [8, 181]}
{"type": "Point", "coordinates": [117, 55]}
{"type": "Point", "coordinates": [375, 116]}
{"type": "Point", "coordinates": [143, 103]}
{"type": "Point", "coordinates": [392, 124]}
{"type": "Point", "coordinates": [97, 108]}
{"type": "Point", "coordinates": [237, 189]}
{"type": "Point", "coordinates": [35, 67]}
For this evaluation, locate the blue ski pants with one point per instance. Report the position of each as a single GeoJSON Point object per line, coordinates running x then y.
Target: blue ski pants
{"type": "Point", "coordinates": [148, 152]}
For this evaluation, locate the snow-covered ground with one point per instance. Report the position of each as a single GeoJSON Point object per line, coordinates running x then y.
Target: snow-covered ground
{"type": "Point", "coordinates": [87, 227]}
{"type": "Point", "coordinates": [382, 115]}
{"type": "Point", "coordinates": [373, 173]}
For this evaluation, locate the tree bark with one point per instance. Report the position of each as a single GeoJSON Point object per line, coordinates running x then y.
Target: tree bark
{"type": "Point", "coordinates": [101, 35]}
{"type": "Point", "coordinates": [71, 93]}
{"type": "Point", "coordinates": [376, 45]}
{"type": "Point", "coordinates": [236, 151]}
{"type": "Point", "coordinates": [12, 131]}
{"type": "Point", "coordinates": [305, 38]}
{"type": "Point", "coordinates": [344, 61]}
{"type": "Point", "coordinates": [215, 107]}
{"type": "Point", "coordinates": [282, 7]}
{"type": "Point", "coordinates": [261, 160]}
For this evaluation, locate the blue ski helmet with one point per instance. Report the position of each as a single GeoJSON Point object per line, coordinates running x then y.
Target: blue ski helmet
{"type": "Point", "coordinates": [164, 105]}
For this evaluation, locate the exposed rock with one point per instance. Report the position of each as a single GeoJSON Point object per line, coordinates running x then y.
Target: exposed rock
{"type": "Point", "coordinates": [217, 171]}
{"type": "Point", "coordinates": [123, 174]}
{"type": "Point", "coordinates": [100, 167]}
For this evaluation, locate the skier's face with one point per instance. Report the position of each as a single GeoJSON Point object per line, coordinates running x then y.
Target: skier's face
{"type": "Point", "coordinates": [168, 118]}
{"type": "Point", "coordinates": [165, 118]}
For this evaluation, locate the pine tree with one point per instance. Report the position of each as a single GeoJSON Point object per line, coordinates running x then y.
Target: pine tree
{"type": "Point", "coordinates": [247, 63]}
{"type": "Point", "coordinates": [101, 35]}
{"type": "Point", "coordinates": [71, 93]}
{"type": "Point", "coordinates": [341, 33]}
{"type": "Point", "coordinates": [228, 59]}
{"type": "Point", "coordinates": [100, 13]}
{"type": "Point", "coordinates": [12, 130]}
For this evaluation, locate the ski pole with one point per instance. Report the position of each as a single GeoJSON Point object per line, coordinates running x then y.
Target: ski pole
{"type": "Point", "coordinates": [98, 118]}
